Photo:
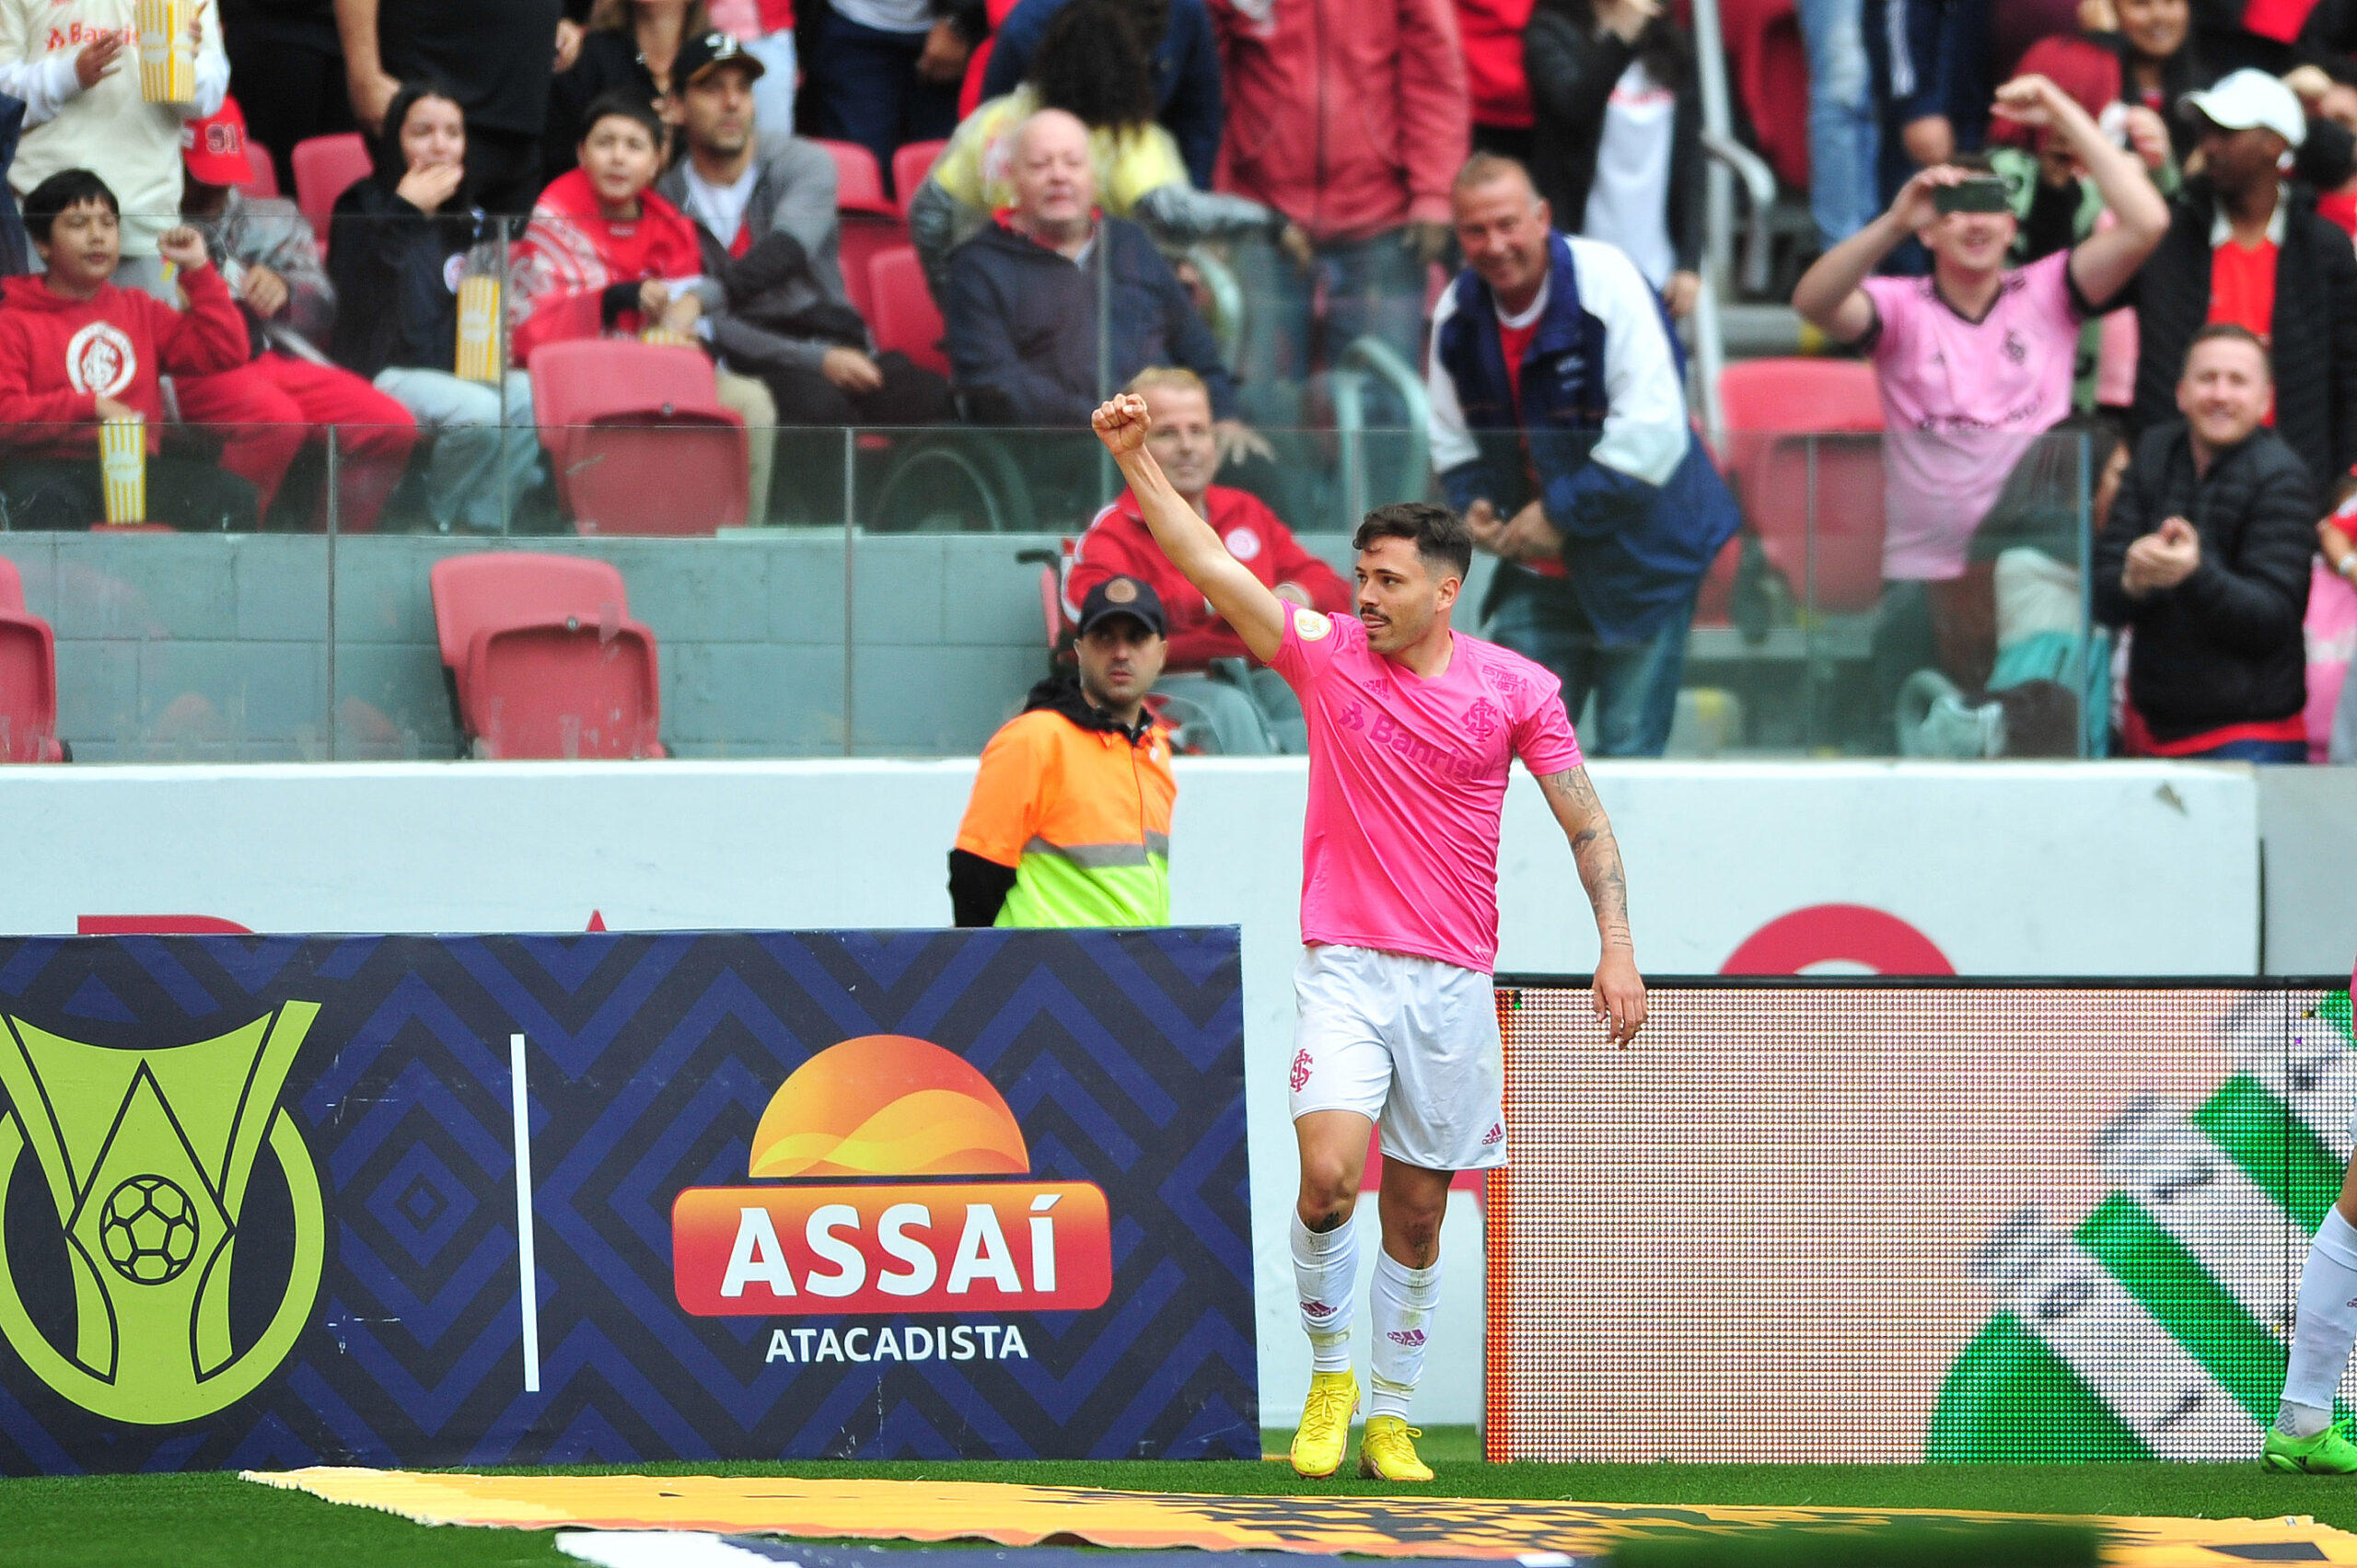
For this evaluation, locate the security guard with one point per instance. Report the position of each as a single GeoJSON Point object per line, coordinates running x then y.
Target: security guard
{"type": "Point", "coordinates": [1070, 819]}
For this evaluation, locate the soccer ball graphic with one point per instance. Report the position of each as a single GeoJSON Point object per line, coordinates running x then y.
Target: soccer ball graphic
{"type": "Point", "coordinates": [149, 1228]}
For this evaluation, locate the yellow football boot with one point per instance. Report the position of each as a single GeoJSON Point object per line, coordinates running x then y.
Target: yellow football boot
{"type": "Point", "coordinates": [1388, 1451]}
{"type": "Point", "coordinates": [1325, 1432]}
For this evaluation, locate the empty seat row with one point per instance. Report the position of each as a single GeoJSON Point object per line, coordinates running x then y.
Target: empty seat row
{"type": "Point", "coordinates": [539, 652]}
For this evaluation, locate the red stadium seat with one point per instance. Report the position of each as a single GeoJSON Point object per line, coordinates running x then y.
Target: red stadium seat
{"type": "Point", "coordinates": [902, 312]}
{"type": "Point", "coordinates": [1776, 411]}
{"type": "Point", "coordinates": [326, 166]}
{"type": "Point", "coordinates": [871, 220]}
{"type": "Point", "coordinates": [859, 179]}
{"type": "Point", "coordinates": [637, 437]}
{"type": "Point", "coordinates": [1763, 39]}
{"type": "Point", "coordinates": [865, 237]}
{"type": "Point", "coordinates": [1800, 394]}
{"type": "Point", "coordinates": [263, 181]}
{"type": "Point", "coordinates": [544, 657]}
{"type": "Point", "coordinates": [910, 166]}
{"type": "Point", "coordinates": [28, 679]}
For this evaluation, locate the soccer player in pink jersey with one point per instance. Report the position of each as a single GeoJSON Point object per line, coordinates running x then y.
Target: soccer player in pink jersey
{"type": "Point", "coordinates": [1411, 728]}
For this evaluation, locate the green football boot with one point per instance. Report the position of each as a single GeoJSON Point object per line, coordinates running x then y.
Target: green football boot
{"type": "Point", "coordinates": [2329, 1452]}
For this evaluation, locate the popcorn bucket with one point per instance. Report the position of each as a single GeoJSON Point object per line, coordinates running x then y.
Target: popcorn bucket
{"type": "Point", "coordinates": [666, 336]}
{"type": "Point", "coordinates": [479, 330]}
{"type": "Point", "coordinates": [166, 57]}
{"type": "Point", "coordinates": [122, 467]}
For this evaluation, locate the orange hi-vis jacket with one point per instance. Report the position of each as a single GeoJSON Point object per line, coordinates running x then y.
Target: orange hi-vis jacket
{"type": "Point", "coordinates": [1083, 816]}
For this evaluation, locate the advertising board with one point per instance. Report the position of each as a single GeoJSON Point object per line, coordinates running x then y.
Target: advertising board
{"type": "Point", "coordinates": [1850, 1221]}
{"type": "Point", "coordinates": [410, 1201]}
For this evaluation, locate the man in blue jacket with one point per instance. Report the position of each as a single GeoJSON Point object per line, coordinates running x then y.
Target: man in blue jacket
{"type": "Point", "coordinates": [1558, 428]}
{"type": "Point", "coordinates": [1023, 310]}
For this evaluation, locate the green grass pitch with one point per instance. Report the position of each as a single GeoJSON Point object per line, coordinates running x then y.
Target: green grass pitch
{"type": "Point", "coordinates": [218, 1521]}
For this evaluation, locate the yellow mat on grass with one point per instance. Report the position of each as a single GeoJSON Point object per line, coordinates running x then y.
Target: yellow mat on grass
{"type": "Point", "coordinates": [1407, 1525]}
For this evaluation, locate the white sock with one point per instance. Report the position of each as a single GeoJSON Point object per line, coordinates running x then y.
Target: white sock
{"type": "Point", "coordinates": [1325, 1273]}
{"type": "Point", "coordinates": [2326, 1328]}
{"type": "Point", "coordinates": [1403, 1302]}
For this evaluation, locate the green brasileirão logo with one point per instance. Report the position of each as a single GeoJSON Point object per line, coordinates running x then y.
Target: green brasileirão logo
{"type": "Point", "coordinates": [147, 1155]}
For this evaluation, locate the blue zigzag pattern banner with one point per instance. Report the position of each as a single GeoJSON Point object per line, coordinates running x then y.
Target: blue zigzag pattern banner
{"type": "Point", "coordinates": [259, 1199]}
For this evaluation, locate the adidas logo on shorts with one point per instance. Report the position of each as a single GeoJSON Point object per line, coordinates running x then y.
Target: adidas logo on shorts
{"type": "Point", "coordinates": [1496, 1134]}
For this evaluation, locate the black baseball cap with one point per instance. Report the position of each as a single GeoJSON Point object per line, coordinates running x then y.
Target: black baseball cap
{"type": "Point", "coordinates": [708, 50]}
{"type": "Point", "coordinates": [1122, 596]}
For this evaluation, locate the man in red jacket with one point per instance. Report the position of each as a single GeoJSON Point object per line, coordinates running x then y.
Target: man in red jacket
{"type": "Point", "coordinates": [1119, 544]}
{"type": "Point", "coordinates": [1350, 117]}
{"type": "Point", "coordinates": [74, 350]}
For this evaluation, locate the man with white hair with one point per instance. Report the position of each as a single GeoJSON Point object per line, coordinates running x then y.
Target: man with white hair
{"type": "Point", "coordinates": [1023, 309]}
{"type": "Point", "coordinates": [2245, 245]}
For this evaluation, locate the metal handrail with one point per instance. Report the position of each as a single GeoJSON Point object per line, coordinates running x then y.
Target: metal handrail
{"type": "Point", "coordinates": [1372, 357]}
{"type": "Point", "coordinates": [1760, 194]}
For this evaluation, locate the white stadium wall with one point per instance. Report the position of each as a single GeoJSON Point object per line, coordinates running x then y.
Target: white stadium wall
{"type": "Point", "coordinates": [2024, 870]}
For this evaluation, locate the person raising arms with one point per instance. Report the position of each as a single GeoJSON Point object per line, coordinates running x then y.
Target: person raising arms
{"type": "Point", "coordinates": [1412, 727]}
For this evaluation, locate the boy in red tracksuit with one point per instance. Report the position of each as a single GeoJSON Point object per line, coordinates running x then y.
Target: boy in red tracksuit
{"type": "Point", "coordinates": [75, 349]}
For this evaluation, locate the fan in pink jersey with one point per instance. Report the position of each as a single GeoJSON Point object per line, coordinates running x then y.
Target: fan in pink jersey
{"type": "Point", "coordinates": [1413, 727]}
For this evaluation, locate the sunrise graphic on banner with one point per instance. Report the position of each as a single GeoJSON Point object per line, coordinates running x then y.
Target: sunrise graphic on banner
{"type": "Point", "coordinates": [889, 1106]}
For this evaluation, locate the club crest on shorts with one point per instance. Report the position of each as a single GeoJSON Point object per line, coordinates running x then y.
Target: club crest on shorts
{"type": "Point", "coordinates": [1301, 1066]}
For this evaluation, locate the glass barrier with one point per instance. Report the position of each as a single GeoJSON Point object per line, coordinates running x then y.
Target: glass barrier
{"type": "Point", "coordinates": [259, 592]}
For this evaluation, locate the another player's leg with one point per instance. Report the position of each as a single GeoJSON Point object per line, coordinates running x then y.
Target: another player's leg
{"type": "Point", "coordinates": [2305, 1436]}
{"type": "Point", "coordinates": [1407, 1289]}
{"type": "Point", "coordinates": [1325, 1270]}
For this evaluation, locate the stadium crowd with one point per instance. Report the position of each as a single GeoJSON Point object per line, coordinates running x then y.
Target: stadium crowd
{"type": "Point", "coordinates": [2127, 221]}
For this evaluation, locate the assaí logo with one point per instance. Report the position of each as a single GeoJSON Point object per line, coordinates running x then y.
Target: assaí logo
{"type": "Point", "coordinates": [889, 1106]}
{"type": "Point", "coordinates": [148, 1157]}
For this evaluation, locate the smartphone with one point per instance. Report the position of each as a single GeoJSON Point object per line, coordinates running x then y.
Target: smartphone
{"type": "Point", "coordinates": [1976, 194]}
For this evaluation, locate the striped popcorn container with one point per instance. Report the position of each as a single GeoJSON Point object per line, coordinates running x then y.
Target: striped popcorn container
{"type": "Point", "coordinates": [479, 330]}
{"type": "Point", "coordinates": [122, 467]}
{"type": "Point", "coordinates": [166, 57]}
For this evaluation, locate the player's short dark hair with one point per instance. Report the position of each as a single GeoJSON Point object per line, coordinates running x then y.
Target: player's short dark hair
{"type": "Point", "coordinates": [66, 188]}
{"type": "Point", "coordinates": [2229, 332]}
{"type": "Point", "coordinates": [1440, 535]}
{"type": "Point", "coordinates": [623, 104]}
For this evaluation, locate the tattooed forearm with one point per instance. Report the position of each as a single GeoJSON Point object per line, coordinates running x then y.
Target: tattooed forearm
{"type": "Point", "coordinates": [1593, 849]}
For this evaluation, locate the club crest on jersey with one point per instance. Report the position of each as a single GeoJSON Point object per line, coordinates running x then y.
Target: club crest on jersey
{"type": "Point", "coordinates": [100, 360]}
{"type": "Point", "coordinates": [1310, 626]}
{"type": "Point", "coordinates": [1483, 720]}
{"type": "Point", "coordinates": [1244, 544]}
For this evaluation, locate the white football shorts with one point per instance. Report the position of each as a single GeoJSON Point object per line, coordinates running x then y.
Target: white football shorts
{"type": "Point", "coordinates": [1410, 1043]}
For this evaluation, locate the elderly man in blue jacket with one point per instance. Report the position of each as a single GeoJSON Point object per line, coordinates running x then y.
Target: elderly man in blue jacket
{"type": "Point", "coordinates": [1022, 308]}
{"type": "Point", "coordinates": [1558, 428]}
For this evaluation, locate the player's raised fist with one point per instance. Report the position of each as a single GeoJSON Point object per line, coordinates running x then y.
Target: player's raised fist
{"type": "Point", "coordinates": [1121, 423]}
